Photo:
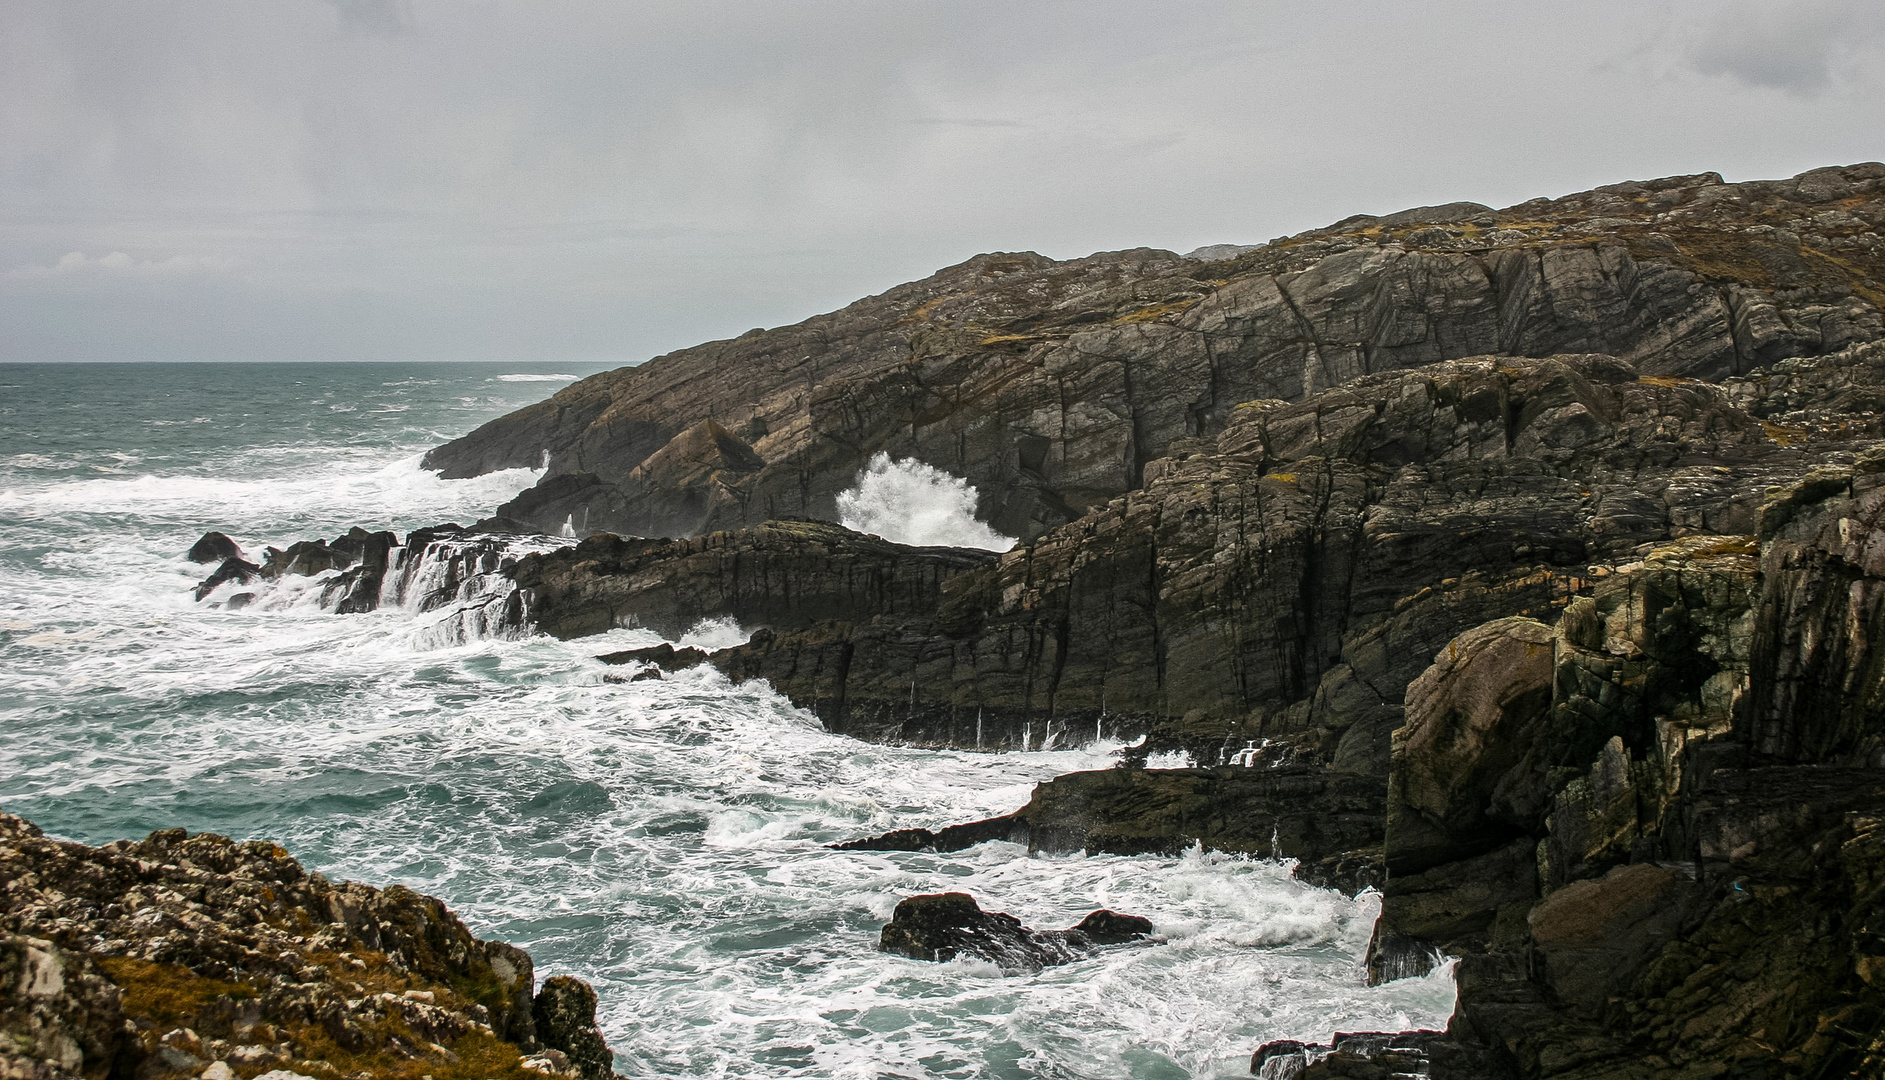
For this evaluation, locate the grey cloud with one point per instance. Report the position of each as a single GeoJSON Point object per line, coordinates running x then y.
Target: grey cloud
{"type": "Point", "coordinates": [595, 179]}
{"type": "Point", "coordinates": [374, 16]}
{"type": "Point", "coordinates": [1797, 46]}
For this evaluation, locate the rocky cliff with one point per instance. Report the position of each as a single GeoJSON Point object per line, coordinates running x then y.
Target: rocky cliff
{"type": "Point", "coordinates": [1523, 563]}
{"type": "Point", "coordinates": [1051, 385]}
{"type": "Point", "coordinates": [1652, 832]}
{"type": "Point", "coordinates": [182, 955]}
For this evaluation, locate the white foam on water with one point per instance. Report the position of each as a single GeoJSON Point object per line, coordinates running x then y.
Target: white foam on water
{"type": "Point", "coordinates": [339, 492]}
{"type": "Point", "coordinates": [536, 378]}
{"type": "Point", "coordinates": [907, 502]}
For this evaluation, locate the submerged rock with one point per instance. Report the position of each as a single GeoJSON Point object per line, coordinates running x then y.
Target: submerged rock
{"type": "Point", "coordinates": [233, 569]}
{"type": "Point", "coordinates": [662, 657]}
{"type": "Point", "coordinates": [942, 926]}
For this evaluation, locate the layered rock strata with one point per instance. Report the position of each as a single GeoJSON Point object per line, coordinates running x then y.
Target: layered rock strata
{"type": "Point", "coordinates": [179, 954]}
{"type": "Point", "coordinates": [1653, 832]}
{"type": "Point", "coordinates": [1287, 579]}
{"type": "Point", "coordinates": [1052, 385]}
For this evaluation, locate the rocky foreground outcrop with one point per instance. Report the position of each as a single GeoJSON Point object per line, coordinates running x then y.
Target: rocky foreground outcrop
{"type": "Point", "coordinates": [1053, 385]}
{"type": "Point", "coordinates": [183, 955]}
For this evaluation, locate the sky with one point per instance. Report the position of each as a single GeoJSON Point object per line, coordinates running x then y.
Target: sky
{"type": "Point", "coordinates": [222, 180]}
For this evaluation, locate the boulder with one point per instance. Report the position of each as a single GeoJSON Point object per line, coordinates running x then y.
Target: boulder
{"type": "Point", "coordinates": [214, 547]}
{"type": "Point", "coordinates": [942, 926]}
{"type": "Point", "coordinates": [305, 558]}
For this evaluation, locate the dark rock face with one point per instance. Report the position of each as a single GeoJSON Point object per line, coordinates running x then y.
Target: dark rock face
{"type": "Point", "coordinates": [1692, 853]}
{"type": "Point", "coordinates": [1051, 385]}
{"type": "Point", "coordinates": [565, 1014]}
{"type": "Point", "coordinates": [214, 547]}
{"type": "Point", "coordinates": [942, 926]}
{"type": "Point", "coordinates": [784, 574]}
{"type": "Point", "coordinates": [162, 956]}
{"type": "Point", "coordinates": [1375, 1055]}
{"type": "Point", "coordinates": [1009, 827]}
{"type": "Point", "coordinates": [1292, 812]}
{"type": "Point", "coordinates": [232, 569]}
{"type": "Point", "coordinates": [1287, 579]}
{"type": "Point", "coordinates": [662, 657]}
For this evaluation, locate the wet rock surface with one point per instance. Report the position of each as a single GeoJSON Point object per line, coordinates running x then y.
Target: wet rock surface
{"type": "Point", "coordinates": [1376, 1055]}
{"type": "Point", "coordinates": [943, 926]}
{"type": "Point", "coordinates": [183, 954]}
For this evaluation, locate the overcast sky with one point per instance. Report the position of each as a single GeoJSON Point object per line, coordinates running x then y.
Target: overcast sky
{"type": "Point", "coordinates": [482, 180]}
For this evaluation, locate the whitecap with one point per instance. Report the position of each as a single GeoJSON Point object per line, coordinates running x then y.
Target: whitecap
{"type": "Point", "coordinates": [536, 378]}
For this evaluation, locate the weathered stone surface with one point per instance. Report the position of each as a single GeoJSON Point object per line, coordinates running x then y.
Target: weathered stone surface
{"type": "Point", "coordinates": [232, 569]}
{"type": "Point", "coordinates": [942, 926]}
{"type": "Point", "coordinates": [1051, 385]}
{"type": "Point", "coordinates": [663, 657]}
{"type": "Point", "coordinates": [59, 1017]}
{"type": "Point", "coordinates": [1292, 812]}
{"type": "Point", "coordinates": [1468, 719]}
{"type": "Point", "coordinates": [565, 1015]}
{"type": "Point", "coordinates": [1596, 934]}
{"type": "Point", "coordinates": [215, 951]}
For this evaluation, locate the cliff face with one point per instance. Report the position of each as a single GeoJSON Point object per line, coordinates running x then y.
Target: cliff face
{"type": "Point", "coordinates": [1653, 832]}
{"type": "Point", "coordinates": [1051, 385]}
{"type": "Point", "coordinates": [1287, 579]}
{"type": "Point", "coordinates": [165, 956]}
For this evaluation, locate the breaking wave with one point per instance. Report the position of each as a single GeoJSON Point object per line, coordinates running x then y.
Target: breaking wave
{"type": "Point", "coordinates": [907, 502]}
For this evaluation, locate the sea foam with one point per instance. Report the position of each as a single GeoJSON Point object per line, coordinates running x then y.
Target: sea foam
{"type": "Point", "coordinates": [908, 502]}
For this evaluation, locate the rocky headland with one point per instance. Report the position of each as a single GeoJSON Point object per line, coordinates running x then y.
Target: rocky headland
{"type": "Point", "coordinates": [194, 955]}
{"type": "Point", "coordinates": [1524, 564]}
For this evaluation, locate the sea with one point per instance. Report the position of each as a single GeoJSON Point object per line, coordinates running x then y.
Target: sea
{"type": "Point", "coordinates": [665, 840]}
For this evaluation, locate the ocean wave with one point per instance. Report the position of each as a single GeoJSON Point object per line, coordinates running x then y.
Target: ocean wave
{"type": "Point", "coordinates": [536, 378]}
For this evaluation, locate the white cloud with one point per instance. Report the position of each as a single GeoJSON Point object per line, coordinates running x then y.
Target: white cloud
{"type": "Point", "coordinates": [77, 264]}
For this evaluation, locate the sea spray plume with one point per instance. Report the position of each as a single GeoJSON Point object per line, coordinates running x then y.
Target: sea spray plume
{"type": "Point", "coordinates": [908, 502]}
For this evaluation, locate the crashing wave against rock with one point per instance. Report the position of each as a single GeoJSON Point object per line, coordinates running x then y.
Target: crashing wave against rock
{"type": "Point", "coordinates": [442, 568]}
